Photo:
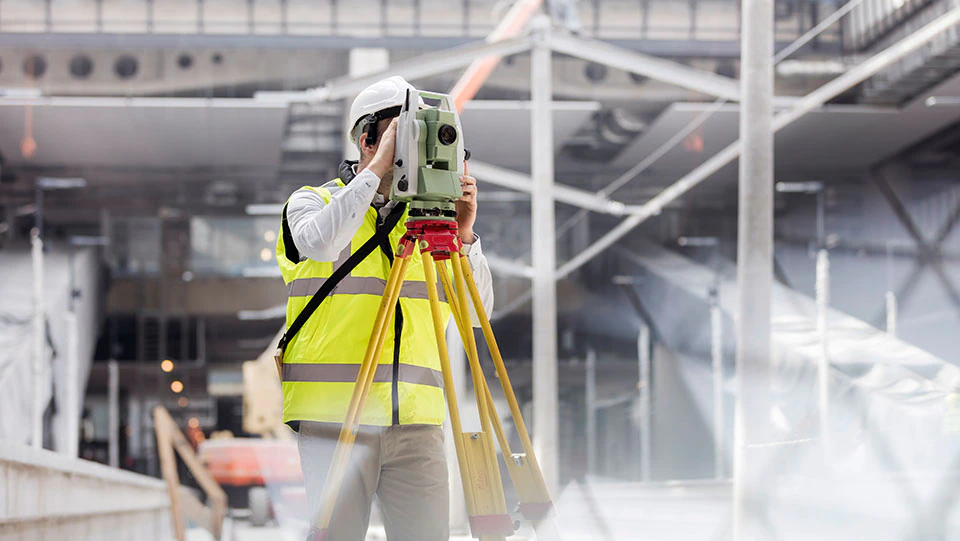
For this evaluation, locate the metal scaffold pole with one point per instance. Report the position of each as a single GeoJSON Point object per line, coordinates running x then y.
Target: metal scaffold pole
{"type": "Point", "coordinates": [823, 357]}
{"type": "Point", "coordinates": [716, 362]}
{"type": "Point", "coordinates": [39, 341]}
{"type": "Point", "coordinates": [113, 398]}
{"type": "Point", "coordinates": [544, 259]}
{"type": "Point", "coordinates": [754, 267]}
{"type": "Point", "coordinates": [646, 424]}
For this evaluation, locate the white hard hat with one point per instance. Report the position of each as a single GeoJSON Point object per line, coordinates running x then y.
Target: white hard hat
{"type": "Point", "coordinates": [381, 95]}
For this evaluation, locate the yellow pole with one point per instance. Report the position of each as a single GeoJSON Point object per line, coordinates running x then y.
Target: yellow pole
{"type": "Point", "coordinates": [429, 275]}
{"type": "Point", "coordinates": [502, 373]}
{"type": "Point", "coordinates": [492, 470]}
{"type": "Point", "coordinates": [471, 346]}
{"type": "Point", "coordinates": [494, 417]}
{"type": "Point", "coordinates": [348, 432]}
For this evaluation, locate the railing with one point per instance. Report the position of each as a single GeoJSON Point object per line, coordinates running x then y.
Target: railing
{"type": "Point", "coordinates": [184, 506]}
{"type": "Point", "coordinates": [699, 20]}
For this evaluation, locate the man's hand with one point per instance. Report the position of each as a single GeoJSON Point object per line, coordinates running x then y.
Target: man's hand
{"type": "Point", "coordinates": [382, 161]}
{"type": "Point", "coordinates": [467, 208]}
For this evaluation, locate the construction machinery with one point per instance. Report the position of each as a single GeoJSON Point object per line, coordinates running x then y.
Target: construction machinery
{"type": "Point", "coordinates": [261, 474]}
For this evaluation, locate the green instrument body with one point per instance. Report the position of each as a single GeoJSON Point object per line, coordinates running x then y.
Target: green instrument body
{"type": "Point", "coordinates": [429, 158]}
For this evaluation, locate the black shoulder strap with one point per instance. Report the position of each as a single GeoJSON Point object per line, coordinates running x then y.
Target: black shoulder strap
{"type": "Point", "coordinates": [382, 231]}
{"type": "Point", "coordinates": [289, 247]}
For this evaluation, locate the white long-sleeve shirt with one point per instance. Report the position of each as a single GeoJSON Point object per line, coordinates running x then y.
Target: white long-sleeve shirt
{"type": "Point", "coordinates": [321, 230]}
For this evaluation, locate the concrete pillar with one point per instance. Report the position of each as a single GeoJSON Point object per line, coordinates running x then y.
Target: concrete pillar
{"type": "Point", "coordinates": [362, 61]}
{"type": "Point", "coordinates": [544, 261]}
{"type": "Point", "coordinates": [754, 268]}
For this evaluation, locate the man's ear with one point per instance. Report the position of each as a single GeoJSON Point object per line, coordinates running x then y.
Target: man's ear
{"type": "Point", "coordinates": [367, 150]}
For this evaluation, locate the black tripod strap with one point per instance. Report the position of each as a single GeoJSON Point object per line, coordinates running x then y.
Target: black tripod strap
{"type": "Point", "coordinates": [381, 234]}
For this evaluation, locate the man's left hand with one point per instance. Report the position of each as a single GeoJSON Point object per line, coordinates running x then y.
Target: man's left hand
{"type": "Point", "coordinates": [467, 208]}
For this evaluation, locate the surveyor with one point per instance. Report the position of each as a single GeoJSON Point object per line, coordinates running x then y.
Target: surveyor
{"type": "Point", "coordinates": [398, 456]}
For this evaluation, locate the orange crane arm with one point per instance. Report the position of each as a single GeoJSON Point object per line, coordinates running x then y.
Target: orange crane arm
{"type": "Point", "coordinates": [479, 71]}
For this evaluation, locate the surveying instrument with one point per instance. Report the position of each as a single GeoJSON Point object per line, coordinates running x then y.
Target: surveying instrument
{"type": "Point", "coordinates": [429, 160]}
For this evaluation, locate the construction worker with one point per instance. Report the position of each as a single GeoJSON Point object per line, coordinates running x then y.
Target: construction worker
{"type": "Point", "coordinates": [398, 455]}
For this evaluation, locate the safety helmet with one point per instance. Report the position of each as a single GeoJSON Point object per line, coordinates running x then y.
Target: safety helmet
{"type": "Point", "coordinates": [383, 99]}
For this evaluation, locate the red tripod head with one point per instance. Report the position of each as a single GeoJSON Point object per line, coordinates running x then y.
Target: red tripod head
{"type": "Point", "coordinates": [439, 237]}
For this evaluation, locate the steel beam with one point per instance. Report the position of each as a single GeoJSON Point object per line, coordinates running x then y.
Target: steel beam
{"type": "Point", "coordinates": [543, 233]}
{"type": "Point", "coordinates": [563, 194]}
{"type": "Point", "coordinates": [426, 65]}
{"type": "Point", "coordinates": [673, 48]}
{"type": "Point", "coordinates": [660, 69]}
{"type": "Point", "coordinates": [806, 104]}
{"type": "Point", "coordinates": [754, 272]}
{"type": "Point", "coordinates": [509, 267]}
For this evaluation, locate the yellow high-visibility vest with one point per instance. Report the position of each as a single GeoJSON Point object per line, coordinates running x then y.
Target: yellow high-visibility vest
{"type": "Point", "coordinates": [321, 363]}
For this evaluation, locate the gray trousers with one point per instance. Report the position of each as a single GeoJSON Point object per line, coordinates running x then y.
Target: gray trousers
{"type": "Point", "coordinates": [403, 466]}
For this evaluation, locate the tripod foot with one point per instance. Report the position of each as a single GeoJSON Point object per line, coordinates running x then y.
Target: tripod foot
{"type": "Point", "coordinates": [316, 534]}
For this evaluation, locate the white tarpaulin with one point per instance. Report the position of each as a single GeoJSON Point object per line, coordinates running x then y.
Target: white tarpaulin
{"type": "Point", "coordinates": [16, 338]}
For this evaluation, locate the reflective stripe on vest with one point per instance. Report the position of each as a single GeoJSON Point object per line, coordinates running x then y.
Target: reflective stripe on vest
{"type": "Point", "coordinates": [360, 285]}
{"type": "Point", "coordinates": [347, 373]}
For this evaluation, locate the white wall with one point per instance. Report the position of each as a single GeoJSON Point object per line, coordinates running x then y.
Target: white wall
{"type": "Point", "coordinates": [47, 496]}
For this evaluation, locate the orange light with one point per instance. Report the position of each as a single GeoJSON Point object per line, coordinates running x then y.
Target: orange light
{"type": "Point", "coordinates": [183, 401]}
{"type": "Point", "coordinates": [693, 143]}
{"type": "Point", "coordinates": [266, 255]}
{"type": "Point", "coordinates": [176, 386]}
{"type": "Point", "coordinates": [167, 366]}
{"type": "Point", "coordinates": [194, 422]}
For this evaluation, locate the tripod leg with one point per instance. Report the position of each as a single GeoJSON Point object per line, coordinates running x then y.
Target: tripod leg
{"type": "Point", "coordinates": [449, 392]}
{"type": "Point", "coordinates": [470, 344]}
{"type": "Point", "coordinates": [479, 470]}
{"type": "Point", "coordinates": [348, 431]}
{"type": "Point", "coordinates": [535, 499]}
{"type": "Point", "coordinates": [494, 417]}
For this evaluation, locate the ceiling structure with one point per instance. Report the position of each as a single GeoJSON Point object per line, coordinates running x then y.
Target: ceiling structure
{"type": "Point", "coordinates": [147, 153]}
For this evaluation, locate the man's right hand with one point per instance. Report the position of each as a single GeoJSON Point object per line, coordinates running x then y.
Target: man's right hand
{"type": "Point", "coordinates": [382, 161]}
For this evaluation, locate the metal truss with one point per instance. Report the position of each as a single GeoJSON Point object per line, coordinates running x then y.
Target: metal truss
{"type": "Point", "coordinates": [663, 70]}
{"type": "Point", "coordinates": [656, 68]}
{"type": "Point", "coordinates": [929, 252]}
{"type": "Point", "coordinates": [811, 101]}
{"type": "Point", "coordinates": [562, 194]}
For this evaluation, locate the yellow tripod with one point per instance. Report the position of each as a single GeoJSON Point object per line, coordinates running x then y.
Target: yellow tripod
{"type": "Point", "coordinates": [437, 240]}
